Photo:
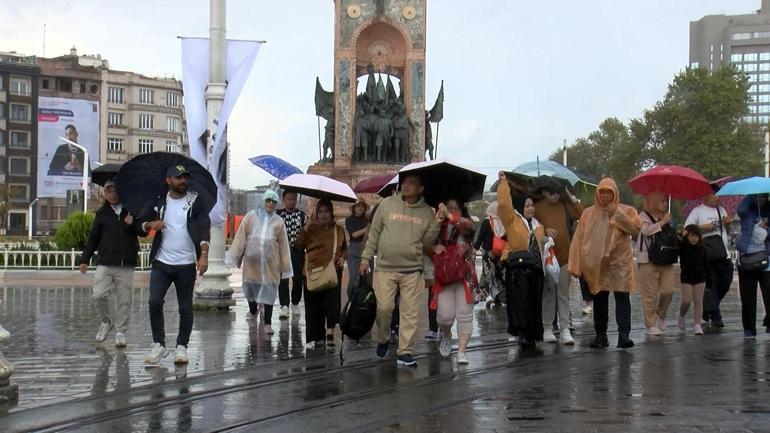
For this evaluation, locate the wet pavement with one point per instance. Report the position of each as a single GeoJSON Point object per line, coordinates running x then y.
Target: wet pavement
{"type": "Point", "coordinates": [240, 379]}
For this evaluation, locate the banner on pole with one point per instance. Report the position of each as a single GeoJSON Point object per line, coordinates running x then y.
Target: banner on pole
{"type": "Point", "coordinates": [240, 59]}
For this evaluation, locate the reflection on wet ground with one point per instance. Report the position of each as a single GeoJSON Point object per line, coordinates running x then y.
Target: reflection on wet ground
{"type": "Point", "coordinates": [242, 379]}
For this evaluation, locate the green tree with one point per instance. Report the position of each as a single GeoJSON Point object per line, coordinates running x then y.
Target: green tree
{"type": "Point", "coordinates": [74, 232]}
{"type": "Point", "coordinates": [699, 124]}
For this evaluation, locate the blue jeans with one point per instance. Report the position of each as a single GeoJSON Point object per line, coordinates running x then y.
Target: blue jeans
{"type": "Point", "coordinates": [161, 277]}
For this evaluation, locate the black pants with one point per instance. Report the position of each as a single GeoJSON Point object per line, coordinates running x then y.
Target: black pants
{"type": "Point", "coordinates": [432, 317]}
{"type": "Point", "coordinates": [161, 277]}
{"type": "Point", "coordinates": [747, 283]}
{"type": "Point", "coordinates": [268, 311]}
{"type": "Point", "coordinates": [717, 285]}
{"type": "Point", "coordinates": [322, 311]}
{"type": "Point", "coordinates": [524, 292]}
{"type": "Point", "coordinates": [298, 265]}
{"type": "Point", "coordinates": [585, 292]}
{"type": "Point", "coordinates": [622, 312]}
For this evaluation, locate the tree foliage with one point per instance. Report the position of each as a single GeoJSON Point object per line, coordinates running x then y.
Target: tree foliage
{"type": "Point", "coordinates": [74, 232]}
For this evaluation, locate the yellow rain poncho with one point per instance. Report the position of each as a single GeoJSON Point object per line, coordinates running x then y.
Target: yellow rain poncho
{"type": "Point", "coordinates": [601, 250]}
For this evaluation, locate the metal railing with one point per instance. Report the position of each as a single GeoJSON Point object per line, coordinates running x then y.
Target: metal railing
{"type": "Point", "coordinates": [56, 260]}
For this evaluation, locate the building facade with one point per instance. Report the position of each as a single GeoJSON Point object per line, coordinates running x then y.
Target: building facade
{"type": "Point", "coordinates": [742, 41]}
{"type": "Point", "coordinates": [19, 81]}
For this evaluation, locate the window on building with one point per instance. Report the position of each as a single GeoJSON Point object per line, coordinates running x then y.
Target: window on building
{"type": "Point", "coordinates": [171, 146]}
{"type": "Point", "coordinates": [753, 88]}
{"type": "Point", "coordinates": [146, 96]}
{"type": "Point", "coordinates": [20, 113]}
{"type": "Point", "coordinates": [764, 57]}
{"type": "Point", "coordinates": [172, 124]}
{"type": "Point", "coordinates": [18, 193]}
{"type": "Point", "coordinates": [18, 166]}
{"type": "Point", "coordinates": [764, 66]}
{"type": "Point", "coordinates": [694, 65]}
{"type": "Point", "coordinates": [763, 120]}
{"type": "Point", "coordinates": [82, 87]}
{"type": "Point", "coordinates": [750, 57]}
{"type": "Point", "coordinates": [17, 220]}
{"type": "Point", "coordinates": [45, 83]}
{"type": "Point", "coordinates": [750, 67]}
{"type": "Point", "coordinates": [761, 35]}
{"type": "Point", "coordinates": [21, 86]}
{"type": "Point", "coordinates": [145, 145]}
{"type": "Point", "coordinates": [114, 145]}
{"type": "Point", "coordinates": [741, 36]}
{"type": "Point", "coordinates": [114, 119]}
{"type": "Point", "coordinates": [763, 88]}
{"type": "Point", "coordinates": [763, 98]}
{"type": "Point", "coordinates": [2, 83]}
{"type": "Point", "coordinates": [172, 99]}
{"type": "Point", "coordinates": [764, 109]}
{"type": "Point", "coordinates": [736, 57]}
{"type": "Point", "coordinates": [752, 78]}
{"type": "Point", "coordinates": [65, 85]}
{"type": "Point", "coordinates": [20, 139]}
{"type": "Point", "coordinates": [763, 77]}
{"type": "Point", "coordinates": [146, 121]}
{"type": "Point", "coordinates": [752, 109]}
{"type": "Point", "coordinates": [2, 110]}
{"type": "Point", "coordinates": [115, 95]}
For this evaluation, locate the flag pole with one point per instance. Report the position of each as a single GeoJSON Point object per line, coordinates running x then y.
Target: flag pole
{"type": "Point", "coordinates": [320, 155]}
{"type": "Point", "coordinates": [435, 150]}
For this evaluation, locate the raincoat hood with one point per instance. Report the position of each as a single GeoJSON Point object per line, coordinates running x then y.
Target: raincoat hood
{"type": "Point", "coordinates": [604, 185]}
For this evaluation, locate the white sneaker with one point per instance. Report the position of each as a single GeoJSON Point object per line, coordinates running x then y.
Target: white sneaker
{"type": "Point", "coordinates": [295, 310]}
{"type": "Point", "coordinates": [445, 347]}
{"type": "Point", "coordinates": [284, 313]}
{"type": "Point", "coordinates": [156, 354]}
{"type": "Point", "coordinates": [462, 358]}
{"type": "Point", "coordinates": [566, 337]}
{"type": "Point", "coordinates": [120, 339]}
{"type": "Point", "coordinates": [588, 308]}
{"type": "Point", "coordinates": [269, 330]}
{"type": "Point", "coordinates": [652, 330]}
{"type": "Point", "coordinates": [661, 324]}
{"type": "Point", "coordinates": [180, 357]}
{"type": "Point", "coordinates": [681, 324]}
{"type": "Point", "coordinates": [4, 334]}
{"type": "Point", "coordinates": [101, 334]}
{"type": "Point", "coordinates": [548, 336]}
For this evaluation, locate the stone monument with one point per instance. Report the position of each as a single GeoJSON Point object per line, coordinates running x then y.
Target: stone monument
{"type": "Point", "coordinates": [380, 129]}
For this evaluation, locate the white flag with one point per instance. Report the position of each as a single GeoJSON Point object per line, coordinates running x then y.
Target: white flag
{"type": "Point", "coordinates": [240, 59]}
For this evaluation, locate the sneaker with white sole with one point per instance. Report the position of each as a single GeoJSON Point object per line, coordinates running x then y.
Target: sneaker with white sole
{"type": "Point", "coordinates": [295, 310]}
{"type": "Point", "coordinates": [697, 330]}
{"type": "Point", "coordinates": [653, 330]}
{"type": "Point", "coordinates": [462, 358]}
{"type": "Point", "coordinates": [284, 314]}
{"type": "Point", "coordinates": [681, 324]}
{"type": "Point", "coordinates": [120, 339]}
{"type": "Point", "coordinates": [104, 329]}
{"type": "Point", "coordinates": [180, 357]}
{"type": "Point", "coordinates": [548, 336]}
{"type": "Point", "coordinates": [406, 360]}
{"type": "Point", "coordinates": [269, 330]}
{"type": "Point", "coordinates": [156, 354]}
{"type": "Point", "coordinates": [445, 347]}
{"type": "Point", "coordinates": [588, 308]}
{"type": "Point", "coordinates": [566, 337]}
{"type": "Point", "coordinates": [4, 334]}
{"type": "Point", "coordinates": [661, 324]}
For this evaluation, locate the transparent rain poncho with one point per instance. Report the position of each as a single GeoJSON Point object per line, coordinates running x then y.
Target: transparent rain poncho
{"type": "Point", "coordinates": [261, 249]}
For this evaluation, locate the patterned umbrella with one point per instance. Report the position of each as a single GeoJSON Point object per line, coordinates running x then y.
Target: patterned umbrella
{"type": "Point", "coordinates": [275, 166]}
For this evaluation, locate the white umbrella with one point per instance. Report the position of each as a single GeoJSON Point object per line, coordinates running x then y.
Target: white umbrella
{"type": "Point", "coordinates": [387, 190]}
{"type": "Point", "coordinates": [320, 187]}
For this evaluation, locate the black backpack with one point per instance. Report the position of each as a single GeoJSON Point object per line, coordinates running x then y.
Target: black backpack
{"type": "Point", "coordinates": [663, 247]}
{"type": "Point", "coordinates": [357, 318]}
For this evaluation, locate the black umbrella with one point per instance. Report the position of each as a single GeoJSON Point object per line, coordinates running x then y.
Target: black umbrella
{"type": "Point", "coordinates": [100, 175]}
{"type": "Point", "coordinates": [142, 181]}
{"type": "Point", "coordinates": [444, 180]}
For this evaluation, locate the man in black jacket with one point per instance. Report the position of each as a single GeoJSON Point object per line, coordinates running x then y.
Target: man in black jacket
{"type": "Point", "coordinates": [114, 236]}
{"type": "Point", "coordinates": [181, 243]}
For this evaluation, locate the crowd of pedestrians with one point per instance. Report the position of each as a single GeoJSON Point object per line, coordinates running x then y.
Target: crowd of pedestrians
{"type": "Point", "coordinates": [533, 246]}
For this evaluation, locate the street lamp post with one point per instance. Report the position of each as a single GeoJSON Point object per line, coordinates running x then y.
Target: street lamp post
{"type": "Point", "coordinates": [85, 170]}
{"type": "Point", "coordinates": [31, 205]}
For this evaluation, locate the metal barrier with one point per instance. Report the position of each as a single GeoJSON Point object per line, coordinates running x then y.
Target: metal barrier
{"type": "Point", "coordinates": [56, 260]}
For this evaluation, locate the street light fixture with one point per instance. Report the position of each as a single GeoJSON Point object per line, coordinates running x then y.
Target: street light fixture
{"type": "Point", "coordinates": [85, 171]}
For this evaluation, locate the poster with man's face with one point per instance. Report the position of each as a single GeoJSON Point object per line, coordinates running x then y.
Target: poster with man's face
{"type": "Point", "coordinates": [60, 164]}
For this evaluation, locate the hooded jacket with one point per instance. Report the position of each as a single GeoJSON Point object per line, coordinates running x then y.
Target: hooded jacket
{"type": "Point", "coordinates": [749, 214]}
{"type": "Point", "coordinates": [517, 230]}
{"type": "Point", "coordinates": [601, 250]}
{"type": "Point", "coordinates": [114, 241]}
{"type": "Point", "coordinates": [399, 234]}
{"type": "Point", "coordinates": [261, 248]}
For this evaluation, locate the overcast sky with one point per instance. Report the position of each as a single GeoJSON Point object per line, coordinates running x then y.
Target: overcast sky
{"type": "Point", "coordinates": [520, 76]}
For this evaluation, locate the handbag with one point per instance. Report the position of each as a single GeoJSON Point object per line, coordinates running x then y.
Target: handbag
{"type": "Point", "coordinates": [323, 277]}
{"type": "Point", "coordinates": [753, 261]}
{"type": "Point", "coordinates": [449, 267]}
{"type": "Point", "coordinates": [522, 260]}
{"type": "Point", "coordinates": [498, 243]}
{"type": "Point", "coordinates": [714, 245]}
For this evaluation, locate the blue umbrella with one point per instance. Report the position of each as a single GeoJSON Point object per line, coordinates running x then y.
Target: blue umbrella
{"type": "Point", "coordinates": [547, 168]}
{"type": "Point", "coordinates": [752, 185]}
{"type": "Point", "coordinates": [275, 166]}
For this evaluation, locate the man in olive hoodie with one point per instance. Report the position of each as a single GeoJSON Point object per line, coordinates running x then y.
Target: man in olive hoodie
{"type": "Point", "coordinates": [403, 227]}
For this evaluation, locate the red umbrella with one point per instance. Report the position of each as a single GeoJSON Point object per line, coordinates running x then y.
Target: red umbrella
{"type": "Point", "coordinates": [373, 184]}
{"type": "Point", "coordinates": [678, 182]}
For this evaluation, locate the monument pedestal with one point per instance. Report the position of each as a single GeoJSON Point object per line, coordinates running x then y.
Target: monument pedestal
{"type": "Point", "coordinates": [9, 392]}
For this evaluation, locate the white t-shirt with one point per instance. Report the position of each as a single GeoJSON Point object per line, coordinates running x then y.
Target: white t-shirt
{"type": "Point", "coordinates": [703, 214]}
{"type": "Point", "coordinates": [177, 247]}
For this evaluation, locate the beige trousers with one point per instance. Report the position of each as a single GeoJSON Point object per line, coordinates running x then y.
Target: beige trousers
{"type": "Point", "coordinates": [113, 287]}
{"type": "Point", "coordinates": [410, 287]}
{"type": "Point", "coordinates": [656, 284]}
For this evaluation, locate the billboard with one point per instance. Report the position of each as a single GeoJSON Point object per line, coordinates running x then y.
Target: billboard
{"type": "Point", "coordinates": [60, 165]}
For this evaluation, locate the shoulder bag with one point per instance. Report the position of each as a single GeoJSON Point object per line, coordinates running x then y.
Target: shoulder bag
{"type": "Point", "coordinates": [323, 277]}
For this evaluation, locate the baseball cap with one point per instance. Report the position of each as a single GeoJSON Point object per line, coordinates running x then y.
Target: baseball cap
{"type": "Point", "coordinates": [176, 171]}
{"type": "Point", "coordinates": [109, 183]}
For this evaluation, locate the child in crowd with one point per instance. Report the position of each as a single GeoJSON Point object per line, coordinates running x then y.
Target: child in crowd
{"type": "Point", "coordinates": [694, 268]}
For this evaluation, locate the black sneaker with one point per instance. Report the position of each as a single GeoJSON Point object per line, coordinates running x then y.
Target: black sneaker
{"type": "Point", "coordinates": [407, 360]}
{"type": "Point", "coordinates": [718, 323]}
{"type": "Point", "coordinates": [624, 342]}
{"type": "Point", "coordinates": [600, 341]}
{"type": "Point", "coordinates": [382, 350]}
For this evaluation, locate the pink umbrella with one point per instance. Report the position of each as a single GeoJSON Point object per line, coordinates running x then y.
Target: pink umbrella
{"type": "Point", "coordinates": [320, 187]}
